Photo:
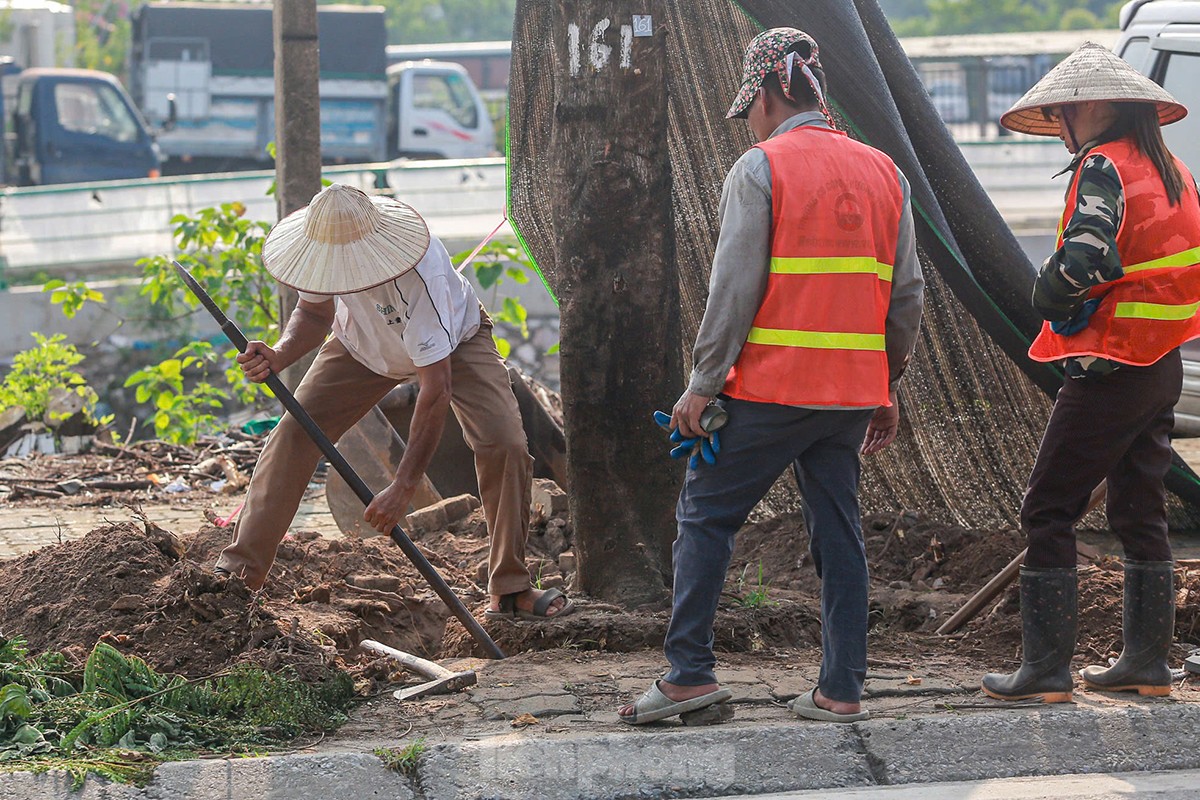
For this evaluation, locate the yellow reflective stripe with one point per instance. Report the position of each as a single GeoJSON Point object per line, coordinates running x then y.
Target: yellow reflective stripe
{"type": "Point", "coordinates": [820, 340]}
{"type": "Point", "coordinates": [1156, 311]}
{"type": "Point", "coordinates": [832, 266]}
{"type": "Point", "coordinates": [1185, 259]}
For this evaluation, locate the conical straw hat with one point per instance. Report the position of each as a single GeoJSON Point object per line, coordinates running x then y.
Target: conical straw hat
{"type": "Point", "coordinates": [1090, 73]}
{"type": "Point", "coordinates": [344, 242]}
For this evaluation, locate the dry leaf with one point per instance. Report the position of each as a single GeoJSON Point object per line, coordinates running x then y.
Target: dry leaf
{"type": "Point", "coordinates": [913, 681]}
{"type": "Point", "coordinates": [524, 721]}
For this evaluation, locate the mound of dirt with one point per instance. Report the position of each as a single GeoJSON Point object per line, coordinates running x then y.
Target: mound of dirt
{"type": "Point", "coordinates": [151, 593]}
{"type": "Point", "coordinates": [900, 547]}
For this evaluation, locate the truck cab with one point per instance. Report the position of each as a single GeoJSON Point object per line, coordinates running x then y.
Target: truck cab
{"type": "Point", "coordinates": [74, 125]}
{"type": "Point", "coordinates": [1161, 39]}
{"type": "Point", "coordinates": [436, 112]}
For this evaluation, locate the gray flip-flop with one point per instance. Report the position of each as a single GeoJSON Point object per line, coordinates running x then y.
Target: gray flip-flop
{"type": "Point", "coordinates": [805, 706]}
{"type": "Point", "coordinates": [653, 705]}
{"type": "Point", "coordinates": [508, 607]}
{"type": "Point", "coordinates": [542, 605]}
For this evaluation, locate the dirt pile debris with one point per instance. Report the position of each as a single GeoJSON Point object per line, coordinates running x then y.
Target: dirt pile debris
{"type": "Point", "coordinates": [150, 592]}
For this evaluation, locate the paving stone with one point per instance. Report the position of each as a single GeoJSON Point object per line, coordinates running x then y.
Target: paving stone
{"type": "Point", "coordinates": [790, 686]}
{"type": "Point", "coordinates": [502, 704]}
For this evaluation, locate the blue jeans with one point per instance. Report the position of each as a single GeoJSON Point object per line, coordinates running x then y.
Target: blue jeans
{"type": "Point", "coordinates": [756, 447]}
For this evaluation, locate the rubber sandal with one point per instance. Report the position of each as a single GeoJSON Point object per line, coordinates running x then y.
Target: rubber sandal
{"type": "Point", "coordinates": [654, 705]}
{"type": "Point", "coordinates": [805, 706]}
{"type": "Point", "coordinates": [508, 607]}
{"type": "Point", "coordinates": [507, 610]}
{"type": "Point", "coordinates": [542, 605]}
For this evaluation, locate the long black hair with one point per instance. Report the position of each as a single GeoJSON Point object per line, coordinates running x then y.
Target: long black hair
{"type": "Point", "coordinates": [1140, 120]}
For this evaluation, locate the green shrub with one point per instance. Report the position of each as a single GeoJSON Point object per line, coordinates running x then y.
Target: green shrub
{"type": "Point", "coordinates": [38, 371]}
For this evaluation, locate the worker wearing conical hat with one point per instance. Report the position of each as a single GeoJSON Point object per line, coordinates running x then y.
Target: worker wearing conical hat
{"type": "Point", "coordinates": [1120, 294]}
{"type": "Point", "coordinates": [368, 268]}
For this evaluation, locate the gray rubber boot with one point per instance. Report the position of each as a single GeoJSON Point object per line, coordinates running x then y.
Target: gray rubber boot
{"type": "Point", "coordinates": [1148, 624]}
{"type": "Point", "coordinates": [1049, 619]}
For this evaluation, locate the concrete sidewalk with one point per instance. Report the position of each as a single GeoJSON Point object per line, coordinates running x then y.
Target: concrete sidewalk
{"type": "Point", "coordinates": [740, 758]}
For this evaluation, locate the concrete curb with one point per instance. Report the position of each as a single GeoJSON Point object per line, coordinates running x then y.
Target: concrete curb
{"type": "Point", "coordinates": [704, 762]}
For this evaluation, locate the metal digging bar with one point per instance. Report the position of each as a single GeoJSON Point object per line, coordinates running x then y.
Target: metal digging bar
{"type": "Point", "coordinates": [347, 472]}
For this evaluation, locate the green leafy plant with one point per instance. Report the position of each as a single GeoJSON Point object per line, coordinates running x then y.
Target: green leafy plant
{"type": "Point", "coordinates": [495, 263]}
{"type": "Point", "coordinates": [222, 249]}
{"type": "Point", "coordinates": [402, 759]}
{"type": "Point", "coordinates": [37, 372]}
{"type": "Point", "coordinates": [180, 415]}
{"type": "Point", "coordinates": [755, 592]}
{"type": "Point", "coordinates": [72, 296]}
{"type": "Point", "coordinates": [119, 718]}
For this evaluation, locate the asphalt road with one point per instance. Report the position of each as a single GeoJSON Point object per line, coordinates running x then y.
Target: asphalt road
{"type": "Point", "coordinates": [1180, 785]}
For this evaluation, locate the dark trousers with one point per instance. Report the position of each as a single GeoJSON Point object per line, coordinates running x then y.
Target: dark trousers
{"type": "Point", "coordinates": [757, 445]}
{"type": "Point", "coordinates": [1113, 427]}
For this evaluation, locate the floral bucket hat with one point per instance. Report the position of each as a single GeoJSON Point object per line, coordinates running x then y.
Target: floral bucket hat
{"type": "Point", "coordinates": [777, 50]}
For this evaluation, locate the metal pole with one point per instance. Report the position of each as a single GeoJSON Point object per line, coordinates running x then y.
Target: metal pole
{"type": "Point", "coordinates": [297, 129]}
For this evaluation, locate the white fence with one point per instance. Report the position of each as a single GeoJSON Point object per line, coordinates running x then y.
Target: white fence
{"type": "Point", "coordinates": [103, 228]}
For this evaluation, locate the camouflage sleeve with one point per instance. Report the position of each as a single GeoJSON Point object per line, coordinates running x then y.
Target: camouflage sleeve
{"type": "Point", "coordinates": [1088, 255]}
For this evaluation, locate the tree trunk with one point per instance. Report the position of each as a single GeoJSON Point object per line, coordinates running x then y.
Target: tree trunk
{"type": "Point", "coordinates": [615, 237]}
{"type": "Point", "coordinates": [297, 130]}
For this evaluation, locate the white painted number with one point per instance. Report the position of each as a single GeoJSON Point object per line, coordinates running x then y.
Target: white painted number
{"type": "Point", "coordinates": [573, 47]}
{"type": "Point", "coordinates": [600, 51]}
{"type": "Point", "coordinates": [600, 54]}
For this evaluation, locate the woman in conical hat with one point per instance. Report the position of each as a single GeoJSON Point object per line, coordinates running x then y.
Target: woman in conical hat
{"type": "Point", "coordinates": [1119, 295]}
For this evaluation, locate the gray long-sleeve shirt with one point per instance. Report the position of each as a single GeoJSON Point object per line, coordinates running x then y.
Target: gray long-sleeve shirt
{"type": "Point", "coordinates": [741, 266]}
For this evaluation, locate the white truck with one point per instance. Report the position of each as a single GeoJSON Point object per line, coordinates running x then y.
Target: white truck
{"type": "Point", "coordinates": [1161, 38]}
{"type": "Point", "coordinates": [217, 61]}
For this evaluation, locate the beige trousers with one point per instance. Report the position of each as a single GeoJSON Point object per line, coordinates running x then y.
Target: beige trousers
{"type": "Point", "coordinates": [336, 392]}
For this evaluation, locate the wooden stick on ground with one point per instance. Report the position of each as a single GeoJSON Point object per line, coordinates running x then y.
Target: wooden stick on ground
{"type": "Point", "coordinates": [1003, 578]}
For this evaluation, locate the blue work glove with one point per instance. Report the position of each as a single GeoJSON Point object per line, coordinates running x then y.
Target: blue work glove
{"type": "Point", "coordinates": [697, 448]}
{"type": "Point", "coordinates": [1078, 322]}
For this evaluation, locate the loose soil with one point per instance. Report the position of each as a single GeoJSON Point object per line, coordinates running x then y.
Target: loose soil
{"type": "Point", "coordinates": [150, 592]}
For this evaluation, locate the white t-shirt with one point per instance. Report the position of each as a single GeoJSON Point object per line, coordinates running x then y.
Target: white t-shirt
{"type": "Point", "coordinates": [412, 321]}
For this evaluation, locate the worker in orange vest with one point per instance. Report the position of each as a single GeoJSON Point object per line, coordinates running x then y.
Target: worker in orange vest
{"type": "Point", "coordinates": [1119, 295]}
{"type": "Point", "coordinates": [813, 309]}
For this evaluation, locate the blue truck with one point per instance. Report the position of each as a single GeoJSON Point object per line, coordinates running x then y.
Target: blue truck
{"type": "Point", "coordinates": [73, 125]}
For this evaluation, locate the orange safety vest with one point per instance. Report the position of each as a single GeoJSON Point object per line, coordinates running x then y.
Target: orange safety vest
{"type": "Point", "coordinates": [1152, 309]}
{"type": "Point", "coordinates": [818, 336]}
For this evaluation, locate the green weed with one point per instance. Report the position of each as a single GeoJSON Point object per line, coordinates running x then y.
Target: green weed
{"type": "Point", "coordinates": [755, 593]}
{"type": "Point", "coordinates": [402, 759]}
